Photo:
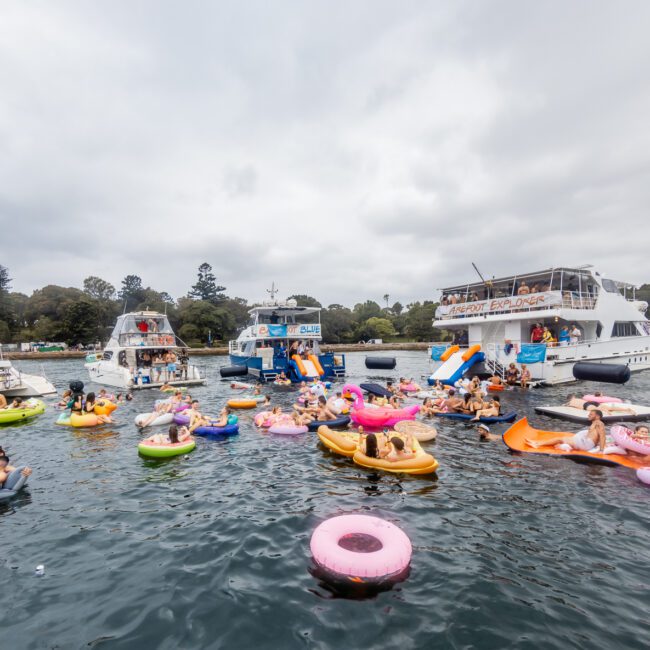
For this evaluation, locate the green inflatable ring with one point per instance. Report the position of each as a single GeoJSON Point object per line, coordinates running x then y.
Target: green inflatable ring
{"type": "Point", "coordinates": [15, 415]}
{"type": "Point", "coordinates": [166, 451]}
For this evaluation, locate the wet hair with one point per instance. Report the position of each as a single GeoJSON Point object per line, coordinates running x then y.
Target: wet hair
{"type": "Point", "coordinates": [226, 409]}
{"type": "Point", "coordinates": [322, 400]}
{"type": "Point", "coordinates": [118, 396]}
{"type": "Point", "coordinates": [195, 401]}
{"type": "Point", "coordinates": [427, 401]}
{"type": "Point", "coordinates": [398, 443]}
{"type": "Point", "coordinates": [598, 412]}
{"type": "Point", "coordinates": [18, 400]}
{"type": "Point", "coordinates": [129, 397]}
{"type": "Point", "coordinates": [5, 458]}
{"type": "Point", "coordinates": [467, 397]}
{"type": "Point", "coordinates": [496, 399]}
{"type": "Point", "coordinates": [173, 433]}
{"type": "Point", "coordinates": [371, 398]}
{"type": "Point", "coordinates": [90, 397]}
{"type": "Point", "coordinates": [371, 446]}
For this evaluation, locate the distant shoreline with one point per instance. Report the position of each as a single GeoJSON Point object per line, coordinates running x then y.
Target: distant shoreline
{"type": "Point", "coordinates": [222, 351]}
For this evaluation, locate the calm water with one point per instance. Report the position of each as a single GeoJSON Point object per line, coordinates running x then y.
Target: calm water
{"type": "Point", "coordinates": [212, 551]}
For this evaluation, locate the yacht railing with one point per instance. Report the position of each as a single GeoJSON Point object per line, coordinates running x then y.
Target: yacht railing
{"type": "Point", "coordinates": [533, 302]}
{"type": "Point", "coordinates": [148, 339]}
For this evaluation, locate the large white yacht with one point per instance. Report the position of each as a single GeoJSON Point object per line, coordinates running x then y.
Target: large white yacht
{"type": "Point", "coordinates": [267, 346]}
{"type": "Point", "coordinates": [128, 360]}
{"type": "Point", "coordinates": [14, 383]}
{"type": "Point", "coordinates": [607, 322]}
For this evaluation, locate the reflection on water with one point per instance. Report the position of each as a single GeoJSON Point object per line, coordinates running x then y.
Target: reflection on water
{"type": "Point", "coordinates": [212, 550]}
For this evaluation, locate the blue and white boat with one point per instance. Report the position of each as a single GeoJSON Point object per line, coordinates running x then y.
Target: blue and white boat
{"type": "Point", "coordinates": [267, 346]}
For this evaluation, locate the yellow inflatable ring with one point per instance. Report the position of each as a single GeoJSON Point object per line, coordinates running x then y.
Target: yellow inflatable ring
{"type": "Point", "coordinates": [242, 403]}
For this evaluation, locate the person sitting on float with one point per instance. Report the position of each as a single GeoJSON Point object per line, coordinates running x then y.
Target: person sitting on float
{"type": "Point", "coordinates": [65, 398]}
{"type": "Point", "coordinates": [512, 375]}
{"type": "Point", "coordinates": [398, 451]}
{"type": "Point", "coordinates": [495, 380]}
{"type": "Point", "coordinates": [6, 469]}
{"type": "Point", "coordinates": [373, 448]}
{"type": "Point", "coordinates": [491, 410]}
{"type": "Point", "coordinates": [525, 377]}
{"type": "Point", "coordinates": [429, 407]}
{"type": "Point", "coordinates": [17, 403]}
{"type": "Point", "coordinates": [89, 407]}
{"type": "Point", "coordinates": [607, 409]}
{"type": "Point", "coordinates": [174, 436]}
{"type": "Point", "coordinates": [196, 417]}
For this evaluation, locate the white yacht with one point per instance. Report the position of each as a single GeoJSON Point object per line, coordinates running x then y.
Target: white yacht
{"type": "Point", "coordinates": [267, 346]}
{"type": "Point", "coordinates": [128, 360]}
{"type": "Point", "coordinates": [14, 383]}
{"type": "Point", "coordinates": [493, 322]}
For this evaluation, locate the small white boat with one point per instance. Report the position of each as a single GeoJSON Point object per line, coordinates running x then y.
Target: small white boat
{"type": "Point", "coordinates": [128, 360]}
{"type": "Point", "coordinates": [14, 383]}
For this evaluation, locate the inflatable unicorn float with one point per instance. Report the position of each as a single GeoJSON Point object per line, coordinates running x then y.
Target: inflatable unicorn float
{"type": "Point", "coordinates": [376, 417]}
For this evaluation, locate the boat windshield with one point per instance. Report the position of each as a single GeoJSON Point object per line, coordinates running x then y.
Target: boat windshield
{"type": "Point", "coordinates": [142, 324]}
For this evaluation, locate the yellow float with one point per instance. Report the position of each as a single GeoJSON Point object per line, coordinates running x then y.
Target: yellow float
{"type": "Point", "coordinates": [346, 443]}
{"type": "Point", "coordinates": [242, 403]}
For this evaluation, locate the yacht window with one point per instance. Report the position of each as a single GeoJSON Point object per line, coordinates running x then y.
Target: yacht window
{"type": "Point", "coordinates": [610, 286]}
{"type": "Point", "coordinates": [599, 329]}
{"type": "Point", "coordinates": [107, 355]}
{"type": "Point", "coordinates": [625, 329]}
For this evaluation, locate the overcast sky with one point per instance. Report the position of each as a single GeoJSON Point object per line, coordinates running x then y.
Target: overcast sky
{"type": "Point", "coordinates": [344, 150]}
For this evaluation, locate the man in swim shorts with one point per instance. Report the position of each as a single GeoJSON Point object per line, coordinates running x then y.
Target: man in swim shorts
{"type": "Point", "coordinates": [584, 440]}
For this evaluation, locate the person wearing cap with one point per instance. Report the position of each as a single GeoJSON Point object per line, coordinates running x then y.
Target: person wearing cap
{"type": "Point", "coordinates": [484, 432]}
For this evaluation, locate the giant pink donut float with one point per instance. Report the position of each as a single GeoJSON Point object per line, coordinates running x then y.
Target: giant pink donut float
{"type": "Point", "coordinates": [601, 399]}
{"type": "Point", "coordinates": [408, 388]}
{"type": "Point", "coordinates": [377, 417]}
{"type": "Point", "coordinates": [386, 550]}
{"type": "Point", "coordinates": [287, 429]}
{"type": "Point", "coordinates": [643, 474]}
{"type": "Point", "coordinates": [623, 438]}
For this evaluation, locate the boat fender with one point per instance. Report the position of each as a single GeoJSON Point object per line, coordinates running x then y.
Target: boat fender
{"type": "Point", "coordinates": [605, 372]}
{"type": "Point", "coordinates": [233, 371]}
{"type": "Point", "coordinates": [381, 363]}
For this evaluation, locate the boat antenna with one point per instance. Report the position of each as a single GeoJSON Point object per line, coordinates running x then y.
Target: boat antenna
{"type": "Point", "coordinates": [272, 291]}
{"type": "Point", "coordinates": [124, 310]}
{"type": "Point", "coordinates": [488, 283]}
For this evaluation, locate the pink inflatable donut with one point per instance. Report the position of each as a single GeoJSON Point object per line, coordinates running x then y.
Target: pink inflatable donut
{"type": "Point", "coordinates": [387, 548]}
{"type": "Point", "coordinates": [288, 429]}
{"type": "Point", "coordinates": [408, 388]}
{"type": "Point", "coordinates": [601, 399]}
{"type": "Point", "coordinates": [623, 438]}
{"type": "Point", "coordinates": [643, 474]}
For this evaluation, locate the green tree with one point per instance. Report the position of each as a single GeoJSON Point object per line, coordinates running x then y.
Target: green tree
{"type": "Point", "coordinates": [99, 289]}
{"type": "Point", "coordinates": [419, 322]}
{"type": "Point", "coordinates": [6, 311]}
{"type": "Point", "coordinates": [206, 287]}
{"type": "Point", "coordinates": [132, 292]}
{"type": "Point", "coordinates": [5, 332]}
{"type": "Point", "coordinates": [51, 301]}
{"type": "Point", "coordinates": [364, 311]}
{"type": "Point", "coordinates": [376, 328]}
{"type": "Point", "coordinates": [304, 300]}
{"type": "Point", "coordinates": [337, 324]}
{"type": "Point", "coordinates": [210, 320]}
{"type": "Point", "coordinates": [80, 322]}
{"type": "Point", "coordinates": [397, 308]}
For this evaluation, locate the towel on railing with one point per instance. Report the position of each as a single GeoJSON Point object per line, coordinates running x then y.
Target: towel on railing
{"type": "Point", "coordinates": [532, 353]}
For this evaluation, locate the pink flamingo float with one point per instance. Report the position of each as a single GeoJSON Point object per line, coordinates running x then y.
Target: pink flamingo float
{"type": "Point", "coordinates": [376, 417]}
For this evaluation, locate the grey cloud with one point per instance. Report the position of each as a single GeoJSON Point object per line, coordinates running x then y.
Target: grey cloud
{"type": "Point", "coordinates": [344, 154]}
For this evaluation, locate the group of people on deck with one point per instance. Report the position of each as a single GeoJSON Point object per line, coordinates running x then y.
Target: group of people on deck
{"type": "Point", "coordinates": [568, 335]}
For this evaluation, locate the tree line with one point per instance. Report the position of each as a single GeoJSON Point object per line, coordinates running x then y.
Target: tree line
{"type": "Point", "coordinates": [206, 315]}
